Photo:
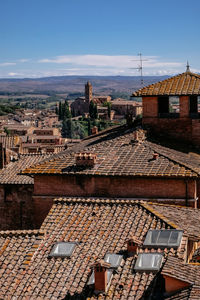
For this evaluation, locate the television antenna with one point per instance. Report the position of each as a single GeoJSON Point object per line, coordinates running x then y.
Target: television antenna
{"type": "Point", "coordinates": [140, 66]}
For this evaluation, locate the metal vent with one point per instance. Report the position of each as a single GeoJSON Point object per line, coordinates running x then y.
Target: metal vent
{"type": "Point", "coordinates": [148, 262]}
{"type": "Point", "coordinates": [62, 249]}
{"type": "Point", "coordinates": [167, 238]}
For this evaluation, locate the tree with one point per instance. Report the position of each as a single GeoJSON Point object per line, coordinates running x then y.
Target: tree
{"type": "Point", "coordinates": [93, 110]}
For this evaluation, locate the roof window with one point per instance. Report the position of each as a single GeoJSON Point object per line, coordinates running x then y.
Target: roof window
{"type": "Point", "coordinates": [113, 259]}
{"type": "Point", "coordinates": [148, 262]}
{"type": "Point", "coordinates": [62, 249]}
{"type": "Point", "coordinates": [167, 238]}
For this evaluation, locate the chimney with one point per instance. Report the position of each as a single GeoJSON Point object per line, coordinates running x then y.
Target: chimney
{"type": "Point", "coordinates": [85, 159]}
{"type": "Point", "coordinates": [94, 130]}
{"type": "Point", "coordinates": [136, 137]}
{"type": "Point", "coordinates": [155, 156]}
{"type": "Point", "coordinates": [101, 275]}
{"type": "Point", "coordinates": [133, 245]}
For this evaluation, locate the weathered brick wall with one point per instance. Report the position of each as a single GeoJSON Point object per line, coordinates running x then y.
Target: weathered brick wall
{"type": "Point", "coordinates": [112, 186]}
{"type": "Point", "coordinates": [183, 128]}
{"type": "Point", "coordinates": [48, 187]}
{"type": "Point", "coordinates": [16, 207]}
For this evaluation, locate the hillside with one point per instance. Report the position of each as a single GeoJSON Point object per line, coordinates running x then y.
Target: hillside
{"type": "Point", "coordinates": [108, 85]}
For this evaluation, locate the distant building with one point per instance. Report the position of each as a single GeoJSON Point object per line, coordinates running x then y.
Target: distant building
{"type": "Point", "coordinates": [81, 105]}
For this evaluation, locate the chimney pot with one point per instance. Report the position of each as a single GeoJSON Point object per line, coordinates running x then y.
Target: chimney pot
{"type": "Point", "coordinates": [133, 245]}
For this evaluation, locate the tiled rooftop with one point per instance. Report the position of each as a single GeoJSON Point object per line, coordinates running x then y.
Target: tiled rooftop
{"type": "Point", "coordinates": [99, 226]}
{"type": "Point", "coordinates": [11, 174]}
{"type": "Point", "coordinates": [119, 154]}
{"type": "Point", "coordinates": [183, 84]}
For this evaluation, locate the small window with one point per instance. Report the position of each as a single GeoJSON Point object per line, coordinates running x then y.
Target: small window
{"type": "Point", "coordinates": [168, 106]}
{"type": "Point", "coordinates": [194, 106]}
{"type": "Point", "coordinates": [165, 238]}
{"type": "Point", "coordinates": [113, 259]}
{"type": "Point", "coordinates": [62, 249]}
{"type": "Point", "coordinates": [149, 262]}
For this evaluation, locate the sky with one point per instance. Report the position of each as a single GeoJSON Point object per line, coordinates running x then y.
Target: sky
{"type": "Point", "coordinates": [40, 38]}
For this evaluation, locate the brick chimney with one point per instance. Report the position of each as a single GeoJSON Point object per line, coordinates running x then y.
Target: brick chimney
{"type": "Point", "coordinates": [155, 156]}
{"type": "Point", "coordinates": [94, 130]}
{"type": "Point", "coordinates": [85, 159]}
{"type": "Point", "coordinates": [100, 275]}
{"type": "Point", "coordinates": [133, 245]}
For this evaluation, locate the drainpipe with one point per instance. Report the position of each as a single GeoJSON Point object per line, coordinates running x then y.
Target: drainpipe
{"type": "Point", "coordinates": [186, 192]}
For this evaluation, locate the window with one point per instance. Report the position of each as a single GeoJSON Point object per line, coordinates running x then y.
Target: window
{"type": "Point", "coordinates": [168, 107]}
{"type": "Point", "coordinates": [148, 262]}
{"type": "Point", "coordinates": [166, 238]}
{"type": "Point", "coordinates": [62, 249]}
{"type": "Point", "coordinates": [194, 106]}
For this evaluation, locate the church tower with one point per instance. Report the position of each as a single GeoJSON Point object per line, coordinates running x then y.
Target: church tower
{"type": "Point", "coordinates": [88, 91]}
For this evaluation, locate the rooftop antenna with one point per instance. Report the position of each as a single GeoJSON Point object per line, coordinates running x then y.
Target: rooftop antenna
{"type": "Point", "coordinates": [140, 67]}
{"type": "Point", "coordinates": [187, 67]}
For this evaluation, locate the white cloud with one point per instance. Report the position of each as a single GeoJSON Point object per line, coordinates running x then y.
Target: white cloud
{"type": "Point", "coordinates": [5, 64]}
{"type": "Point", "coordinates": [23, 60]}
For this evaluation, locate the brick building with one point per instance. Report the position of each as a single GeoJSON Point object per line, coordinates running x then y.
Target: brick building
{"type": "Point", "coordinates": [81, 105]}
{"type": "Point", "coordinates": [184, 91]}
{"type": "Point", "coordinates": [125, 165]}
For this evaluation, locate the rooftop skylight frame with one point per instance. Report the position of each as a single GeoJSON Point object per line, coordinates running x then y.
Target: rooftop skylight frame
{"type": "Point", "coordinates": [148, 262]}
{"type": "Point", "coordinates": [62, 249]}
{"type": "Point", "coordinates": [163, 238]}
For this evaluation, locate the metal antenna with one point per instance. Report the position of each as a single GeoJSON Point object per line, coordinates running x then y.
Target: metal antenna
{"type": "Point", "coordinates": [140, 67]}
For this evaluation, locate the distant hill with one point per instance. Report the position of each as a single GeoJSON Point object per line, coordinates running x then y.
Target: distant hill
{"type": "Point", "coordinates": [105, 85]}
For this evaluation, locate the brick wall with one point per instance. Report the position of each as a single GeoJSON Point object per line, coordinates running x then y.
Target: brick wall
{"type": "Point", "coordinates": [16, 209]}
{"type": "Point", "coordinates": [46, 188]}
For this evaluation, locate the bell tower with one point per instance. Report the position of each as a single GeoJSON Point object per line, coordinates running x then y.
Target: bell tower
{"type": "Point", "coordinates": [88, 91]}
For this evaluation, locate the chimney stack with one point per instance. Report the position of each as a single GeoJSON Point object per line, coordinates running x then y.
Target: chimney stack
{"type": "Point", "coordinates": [85, 159]}
{"type": "Point", "coordinates": [133, 245]}
{"type": "Point", "coordinates": [101, 275]}
{"type": "Point", "coordinates": [155, 156]}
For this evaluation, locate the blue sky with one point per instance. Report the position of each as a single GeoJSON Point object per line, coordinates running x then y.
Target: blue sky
{"type": "Point", "coordinates": [98, 37]}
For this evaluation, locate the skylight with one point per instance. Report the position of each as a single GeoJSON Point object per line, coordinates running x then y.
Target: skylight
{"type": "Point", "coordinates": [148, 262]}
{"type": "Point", "coordinates": [62, 249]}
{"type": "Point", "coordinates": [113, 259]}
{"type": "Point", "coordinates": [167, 238]}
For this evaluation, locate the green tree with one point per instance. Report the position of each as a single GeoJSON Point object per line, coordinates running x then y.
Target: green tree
{"type": "Point", "coordinates": [93, 110]}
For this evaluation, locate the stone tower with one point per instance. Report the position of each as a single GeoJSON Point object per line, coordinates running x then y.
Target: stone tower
{"type": "Point", "coordinates": [88, 91]}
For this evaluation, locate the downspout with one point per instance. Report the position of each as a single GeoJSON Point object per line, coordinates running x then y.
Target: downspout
{"type": "Point", "coordinates": [186, 192]}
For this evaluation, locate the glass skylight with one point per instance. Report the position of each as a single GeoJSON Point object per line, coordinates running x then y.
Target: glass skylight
{"type": "Point", "coordinates": [62, 249]}
{"type": "Point", "coordinates": [148, 262]}
{"type": "Point", "coordinates": [113, 259]}
{"type": "Point", "coordinates": [167, 238]}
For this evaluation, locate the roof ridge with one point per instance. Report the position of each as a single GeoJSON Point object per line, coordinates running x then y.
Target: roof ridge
{"type": "Point", "coordinates": [102, 200]}
{"type": "Point", "coordinates": [21, 232]}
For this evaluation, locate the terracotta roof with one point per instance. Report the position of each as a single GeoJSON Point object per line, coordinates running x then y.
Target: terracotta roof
{"type": "Point", "coordinates": [188, 273]}
{"type": "Point", "coordinates": [99, 226]}
{"type": "Point", "coordinates": [186, 83]}
{"type": "Point", "coordinates": [119, 154]}
{"type": "Point", "coordinates": [9, 141]}
{"type": "Point", "coordinates": [11, 173]}
{"type": "Point", "coordinates": [181, 216]}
